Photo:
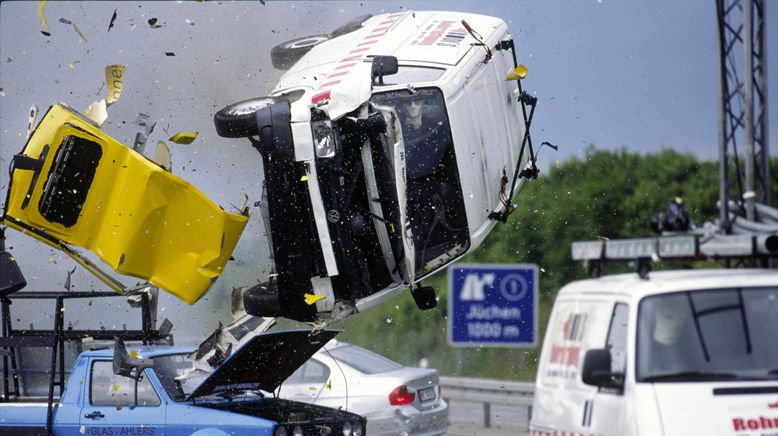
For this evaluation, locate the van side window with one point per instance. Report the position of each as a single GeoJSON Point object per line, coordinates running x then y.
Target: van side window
{"type": "Point", "coordinates": [109, 389]}
{"type": "Point", "coordinates": [617, 338]}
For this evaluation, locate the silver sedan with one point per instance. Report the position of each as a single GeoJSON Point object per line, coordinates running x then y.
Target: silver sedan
{"type": "Point", "coordinates": [394, 399]}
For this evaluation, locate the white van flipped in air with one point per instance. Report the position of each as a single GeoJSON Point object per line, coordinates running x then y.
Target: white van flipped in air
{"type": "Point", "coordinates": [688, 352]}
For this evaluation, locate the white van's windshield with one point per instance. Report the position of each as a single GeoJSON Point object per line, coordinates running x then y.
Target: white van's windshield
{"type": "Point", "coordinates": [706, 335]}
{"type": "Point", "coordinates": [435, 207]}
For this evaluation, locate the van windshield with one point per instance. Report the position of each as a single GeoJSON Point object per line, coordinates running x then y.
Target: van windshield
{"type": "Point", "coordinates": [435, 206]}
{"type": "Point", "coordinates": [707, 335]}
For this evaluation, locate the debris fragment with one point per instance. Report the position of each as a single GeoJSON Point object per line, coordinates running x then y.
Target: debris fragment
{"type": "Point", "coordinates": [189, 22]}
{"type": "Point", "coordinates": [184, 137]}
{"type": "Point", "coordinates": [162, 156]}
{"type": "Point", "coordinates": [44, 24]}
{"type": "Point", "coordinates": [519, 73]}
{"type": "Point", "coordinates": [312, 298]}
{"type": "Point", "coordinates": [72, 65]}
{"type": "Point", "coordinates": [32, 119]}
{"type": "Point", "coordinates": [97, 112]}
{"type": "Point", "coordinates": [65, 21]}
{"type": "Point", "coordinates": [80, 33]}
{"type": "Point", "coordinates": [114, 78]}
{"type": "Point", "coordinates": [169, 53]}
{"type": "Point", "coordinates": [2, 92]}
{"type": "Point", "coordinates": [153, 23]}
{"type": "Point", "coordinates": [304, 178]}
{"type": "Point", "coordinates": [113, 18]}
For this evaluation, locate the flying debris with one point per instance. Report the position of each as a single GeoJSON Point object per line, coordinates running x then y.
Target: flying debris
{"type": "Point", "coordinates": [113, 19]}
{"type": "Point", "coordinates": [184, 137]}
{"type": "Point", "coordinates": [114, 78]}
{"type": "Point", "coordinates": [44, 23]}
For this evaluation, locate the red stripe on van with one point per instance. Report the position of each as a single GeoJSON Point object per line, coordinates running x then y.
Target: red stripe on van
{"type": "Point", "coordinates": [359, 50]}
{"type": "Point", "coordinates": [330, 83]}
{"type": "Point", "coordinates": [348, 65]}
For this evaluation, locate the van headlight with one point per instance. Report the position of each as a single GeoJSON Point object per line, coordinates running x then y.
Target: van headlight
{"type": "Point", "coordinates": [280, 431]}
{"type": "Point", "coordinates": [357, 429]}
{"type": "Point", "coordinates": [347, 429]}
{"type": "Point", "coordinates": [297, 431]}
{"type": "Point", "coordinates": [323, 139]}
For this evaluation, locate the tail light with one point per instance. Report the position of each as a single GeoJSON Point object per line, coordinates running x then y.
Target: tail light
{"type": "Point", "coordinates": [401, 396]}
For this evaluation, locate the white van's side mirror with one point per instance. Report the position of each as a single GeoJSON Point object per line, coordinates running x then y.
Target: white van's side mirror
{"type": "Point", "coordinates": [597, 370]}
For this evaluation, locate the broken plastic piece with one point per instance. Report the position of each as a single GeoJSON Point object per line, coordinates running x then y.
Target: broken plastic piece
{"type": "Point", "coordinates": [80, 33]}
{"type": "Point", "coordinates": [113, 18]}
{"type": "Point", "coordinates": [162, 156]}
{"type": "Point", "coordinates": [519, 73]}
{"type": "Point", "coordinates": [44, 24]}
{"type": "Point", "coordinates": [312, 298]}
{"type": "Point", "coordinates": [184, 137]}
{"type": "Point", "coordinates": [32, 120]}
{"type": "Point", "coordinates": [98, 112]}
{"type": "Point", "coordinates": [114, 78]}
{"type": "Point", "coordinates": [304, 178]}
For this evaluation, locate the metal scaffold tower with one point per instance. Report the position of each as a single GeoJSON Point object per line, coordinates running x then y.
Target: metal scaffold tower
{"type": "Point", "coordinates": [743, 112]}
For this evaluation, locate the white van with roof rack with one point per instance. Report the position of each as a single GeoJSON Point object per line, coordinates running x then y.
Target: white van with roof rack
{"type": "Point", "coordinates": [390, 148]}
{"type": "Point", "coordinates": [687, 352]}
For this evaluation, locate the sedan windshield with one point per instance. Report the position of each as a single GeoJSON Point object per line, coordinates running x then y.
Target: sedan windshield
{"type": "Point", "coordinates": [178, 375]}
{"type": "Point", "coordinates": [435, 206]}
{"type": "Point", "coordinates": [723, 334]}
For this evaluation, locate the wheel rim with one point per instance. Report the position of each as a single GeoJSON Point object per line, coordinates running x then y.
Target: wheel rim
{"type": "Point", "coordinates": [307, 42]}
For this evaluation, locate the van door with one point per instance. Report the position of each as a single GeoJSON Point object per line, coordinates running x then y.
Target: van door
{"type": "Point", "coordinates": [607, 411]}
{"type": "Point", "coordinates": [563, 403]}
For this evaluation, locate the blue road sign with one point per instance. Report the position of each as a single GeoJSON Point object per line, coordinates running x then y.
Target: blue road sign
{"type": "Point", "coordinates": [492, 305]}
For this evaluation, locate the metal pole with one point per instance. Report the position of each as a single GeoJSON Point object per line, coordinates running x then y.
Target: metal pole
{"type": "Point", "coordinates": [748, 105]}
{"type": "Point", "coordinates": [723, 101]}
{"type": "Point", "coordinates": [761, 81]}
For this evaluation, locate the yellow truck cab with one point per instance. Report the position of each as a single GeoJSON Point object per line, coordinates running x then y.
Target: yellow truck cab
{"type": "Point", "coordinates": [73, 185]}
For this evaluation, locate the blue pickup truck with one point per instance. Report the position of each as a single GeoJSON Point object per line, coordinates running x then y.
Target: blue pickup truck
{"type": "Point", "coordinates": [157, 390]}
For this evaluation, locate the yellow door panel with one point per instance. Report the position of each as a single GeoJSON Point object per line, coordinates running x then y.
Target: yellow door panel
{"type": "Point", "coordinates": [74, 184]}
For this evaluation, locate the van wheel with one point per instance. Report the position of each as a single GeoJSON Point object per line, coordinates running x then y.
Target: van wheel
{"type": "Point", "coordinates": [351, 26]}
{"type": "Point", "coordinates": [285, 55]}
{"type": "Point", "coordinates": [239, 120]}
{"type": "Point", "coordinates": [424, 296]}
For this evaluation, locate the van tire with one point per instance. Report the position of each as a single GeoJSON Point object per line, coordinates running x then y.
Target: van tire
{"type": "Point", "coordinates": [424, 296]}
{"type": "Point", "coordinates": [239, 120]}
{"type": "Point", "coordinates": [287, 53]}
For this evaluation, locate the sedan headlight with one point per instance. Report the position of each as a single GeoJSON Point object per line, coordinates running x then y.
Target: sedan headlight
{"type": "Point", "coordinates": [356, 429]}
{"type": "Point", "coordinates": [298, 431]}
{"type": "Point", "coordinates": [280, 431]}
{"type": "Point", "coordinates": [347, 429]}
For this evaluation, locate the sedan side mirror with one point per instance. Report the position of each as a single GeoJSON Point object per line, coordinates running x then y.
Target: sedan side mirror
{"type": "Point", "coordinates": [597, 370]}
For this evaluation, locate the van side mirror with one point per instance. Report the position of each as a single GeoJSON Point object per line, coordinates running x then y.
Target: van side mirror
{"type": "Point", "coordinates": [383, 66]}
{"type": "Point", "coordinates": [597, 370]}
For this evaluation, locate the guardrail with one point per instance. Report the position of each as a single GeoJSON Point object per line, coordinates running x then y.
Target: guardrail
{"type": "Point", "coordinates": [488, 392]}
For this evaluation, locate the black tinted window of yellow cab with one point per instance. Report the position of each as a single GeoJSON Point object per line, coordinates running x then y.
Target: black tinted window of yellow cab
{"type": "Point", "coordinates": [69, 179]}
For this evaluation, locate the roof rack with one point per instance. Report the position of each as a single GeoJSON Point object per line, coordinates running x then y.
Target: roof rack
{"type": "Point", "coordinates": [12, 338]}
{"type": "Point", "coordinates": [677, 247]}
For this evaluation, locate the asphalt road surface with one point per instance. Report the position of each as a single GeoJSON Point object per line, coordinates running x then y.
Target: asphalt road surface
{"type": "Point", "coordinates": [467, 418]}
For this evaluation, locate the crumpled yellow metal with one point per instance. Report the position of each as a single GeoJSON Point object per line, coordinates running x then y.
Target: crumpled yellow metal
{"type": "Point", "coordinates": [141, 220]}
